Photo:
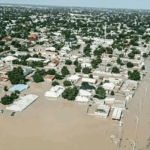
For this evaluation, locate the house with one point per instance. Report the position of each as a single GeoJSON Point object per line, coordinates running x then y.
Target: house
{"type": "Point", "coordinates": [52, 49]}
{"type": "Point", "coordinates": [55, 61]}
{"type": "Point", "coordinates": [89, 80]}
{"type": "Point", "coordinates": [108, 86]}
{"type": "Point", "coordinates": [2, 79]}
{"type": "Point", "coordinates": [117, 114]}
{"type": "Point", "coordinates": [86, 64]}
{"type": "Point", "coordinates": [30, 59]}
{"type": "Point", "coordinates": [109, 101]}
{"type": "Point", "coordinates": [98, 101]}
{"type": "Point", "coordinates": [27, 70]}
{"type": "Point", "coordinates": [84, 93]}
{"type": "Point", "coordinates": [3, 73]}
{"type": "Point", "coordinates": [48, 53]}
{"type": "Point", "coordinates": [55, 91]}
{"type": "Point", "coordinates": [6, 39]}
{"type": "Point", "coordinates": [9, 59]}
{"type": "Point", "coordinates": [102, 110]}
{"type": "Point", "coordinates": [87, 87]}
{"type": "Point", "coordinates": [119, 104]}
{"type": "Point", "coordinates": [33, 37]}
{"type": "Point", "coordinates": [73, 78]}
{"type": "Point", "coordinates": [81, 99]}
{"type": "Point", "coordinates": [23, 103]}
{"type": "Point", "coordinates": [21, 53]}
{"type": "Point", "coordinates": [49, 78]}
{"type": "Point", "coordinates": [19, 87]}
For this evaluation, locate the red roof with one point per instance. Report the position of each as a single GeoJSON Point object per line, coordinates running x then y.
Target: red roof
{"type": "Point", "coordinates": [49, 77]}
{"type": "Point", "coordinates": [33, 37]}
{"type": "Point", "coordinates": [6, 39]}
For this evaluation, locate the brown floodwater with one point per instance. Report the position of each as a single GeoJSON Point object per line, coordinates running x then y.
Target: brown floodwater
{"type": "Point", "coordinates": [55, 124]}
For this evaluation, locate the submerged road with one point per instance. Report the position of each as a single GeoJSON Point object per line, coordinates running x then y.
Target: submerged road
{"type": "Point", "coordinates": [136, 121]}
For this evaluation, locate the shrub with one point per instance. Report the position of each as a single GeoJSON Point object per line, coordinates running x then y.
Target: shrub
{"type": "Point", "coordinates": [68, 62]}
{"type": "Point", "coordinates": [6, 100]}
{"type": "Point", "coordinates": [86, 70]}
{"type": "Point", "coordinates": [115, 70]}
{"type": "Point", "coordinates": [67, 83]}
{"type": "Point", "coordinates": [130, 65]}
{"type": "Point", "coordinates": [70, 93]}
{"type": "Point", "coordinates": [112, 93]}
{"type": "Point", "coordinates": [55, 83]}
{"type": "Point", "coordinates": [101, 92]}
{"type": "Point", "coordinates": [5, 88]}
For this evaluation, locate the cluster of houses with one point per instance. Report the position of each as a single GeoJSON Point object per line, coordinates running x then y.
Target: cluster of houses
{"type": "Point", "coordinates": [52, 49]}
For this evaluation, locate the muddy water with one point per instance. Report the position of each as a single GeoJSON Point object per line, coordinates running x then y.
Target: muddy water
{"type": "Point", "coordinates": [56, 125]}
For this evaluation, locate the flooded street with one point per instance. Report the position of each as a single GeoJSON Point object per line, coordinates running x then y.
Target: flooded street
{"type": "Point", "coordinates": [137, 117]}
{"type": "Point", "coordinates": [55, 124]}
{"type": "Point", "coordinates": [60, 124]}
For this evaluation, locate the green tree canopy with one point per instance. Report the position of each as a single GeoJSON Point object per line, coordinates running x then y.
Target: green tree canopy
{"type": "Point", "coordinates": [65, 71]}
{"type": "Point", "coordinates": [86, 70]}
{"type": "Point", "coordinates": [70, 93]}
{"type": "Point", "coordinates": [6, 100]}
{"type": "Point", "coordinates": [115, 70]}
{"type": "Point", "coordinates": [37, 78]}
{"type": "Point", "coordinates": [135, 75]}
{"type": "Point", "coordinates": [67, 83]}
{"type": "Point", "coordinates": [16, 76]}
{"type": "Point", "coordinates": [68, 62]}
{"type": "Point", "coordinates": [55, 83]}
{"type": "Point", "coordinates": [130, 65]}
{"type": "Point", "coordinates": [101, 92]}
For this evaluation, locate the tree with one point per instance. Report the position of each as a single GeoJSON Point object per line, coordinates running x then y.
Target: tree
{"type": "Point", "coordinates": [115, 70]}
{"type": "Point", "coordinates": [58, 77]}
{"type": "Point", "coordinates": [119, 61]}
{"type": "Point", "coordinates": [94, 63]}
{"type": "Point", "coordinates": [78, 69]}
{"type": "Point", "coordinates": [76, 63]}
{"type": "Point", "coordinates": [67, 83]}
{"type": "Point", "coordinates": [91, 76]}
{"type": "Point", "coordinates": [101, 92]}
{"type": "Point", "coordinates": [130, 65]}
{"type": "Point", "coordinates": [14, 96]}
{"type": "Point", "coordinates": [51, 72]}
{"type": "Point", "coordinates": [5, 88]}
{"type": "Point", "coordinates": [145, 55]}
{"type": "Point", "coordinates": [6, 100]}
{"type": "Point", "coordinates": [16, 76]}
{"type": "Point", "coordinates": [131, 55]}
{"type": "Point", "coordinates": [143, 67]}
{"type": "Point", "coordinates": [112, 93]}
{"type": "Point", "coordinates": [65, 71]}
{"type": "Point", "coordinates": [68, 62]}
{"type": "Point", "coordinates": [37, 78]}
{"type": "Point", "coordinates": [135, 75]}
{"type": "Point", "coordinates": [55, 83]}
{"type": "Point", "coordinates": [70, 93]}
{"type": "Point", "coordinates": [86, 70]}
{"type": "Point", "coordinates": [109, 50]}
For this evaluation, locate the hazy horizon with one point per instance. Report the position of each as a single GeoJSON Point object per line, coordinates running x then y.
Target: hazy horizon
{"type": "Point", "coordinates": [124, 4]}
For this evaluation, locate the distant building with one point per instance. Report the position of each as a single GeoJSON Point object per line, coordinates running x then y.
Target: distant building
{"type": "Point", "coordinates": [6, 39]}
{"type": "Point", "coordinates": [49, 78]}
{"type": "Point", "coordinates": [33, 37]}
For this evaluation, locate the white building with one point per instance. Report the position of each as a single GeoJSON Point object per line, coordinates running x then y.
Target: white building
{"type": "Point", "coordinates": [55, 91]}
{"type": "Point", "coordinates": [81, 99]}
{"type": "Point", "coordinates": [23, 103]}
{"type": "Point", "coordinates": [89, 80]}
{"type": "Point", "coordinates": [73, 78]}
{"type": "Point", "coordinates": [102, 110]}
